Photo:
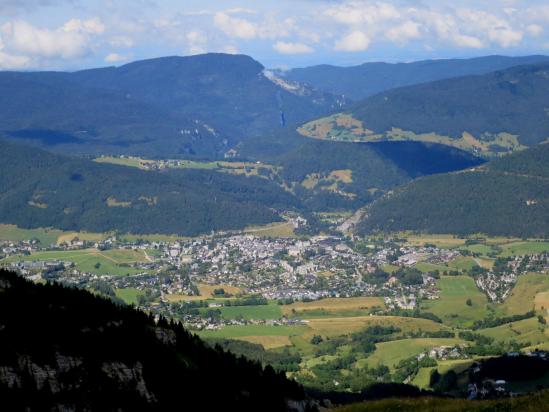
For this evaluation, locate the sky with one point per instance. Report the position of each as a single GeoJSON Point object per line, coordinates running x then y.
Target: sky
{"type": "Point", "coordinates": [78, 34]}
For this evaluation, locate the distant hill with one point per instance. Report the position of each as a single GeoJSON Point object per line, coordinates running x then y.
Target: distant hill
{"type": "Point", "coordinates": [342, 175]}
{"type": "Point", "coordinates": [198, 106]}
{"type": "Point", "coordinates": [489, 114]}
{"type": "Point", "coordinates": [359, 82]}
{"type": "Point", "coordinates": [66, 349]}
{"type": "Point", "coordinates": [40, 189]}
{"type": "Point", "coordinates": [507, 197]}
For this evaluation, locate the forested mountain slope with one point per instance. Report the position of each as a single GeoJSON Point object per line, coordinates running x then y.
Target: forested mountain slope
{"type": "Point", "coordinates": [359, 82]}
{"type": "Point", "coordinates": [509, 197]}
{"type": "Point", "coordinates": [173, 106]}
{"type": "Point", "coordinates": [40, 189]}
{"type": "Point", "coordinates": [489, 114]}
{"type": "Point", "coordinates": [66, 349]}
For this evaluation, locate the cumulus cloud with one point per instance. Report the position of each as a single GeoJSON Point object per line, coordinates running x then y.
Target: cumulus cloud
{"type": "Point", "coordinates": [234, 26]}
{"type": "Point", "coordinates": [197, 42]}
{"type": "Point", "coordinates": [25, 45]}
{"type": "Point", "coordinates": [27, 39]}
{"type": "Point", "coordinates": [353, 42]}
{"type": "Point", "coordinates": [292, 48]}
{"type": "Point", "coordinates": [404, 32]}
{"type": "Point", "coordinates": [116, 58]}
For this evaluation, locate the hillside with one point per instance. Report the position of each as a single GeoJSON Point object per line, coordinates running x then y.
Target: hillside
{"type": "Point", "coordinates": [359, 82]}
{"type": "Point", "coordinates": [509, 196]}
{"type": "Point", "coordinates": [66, 349]}
{"type": "Point", "coordinates": [197, 106]}
{"type": "Point", "coordinates": [489, 114]}
{"type": "Point", "coordinates": [40, 189]}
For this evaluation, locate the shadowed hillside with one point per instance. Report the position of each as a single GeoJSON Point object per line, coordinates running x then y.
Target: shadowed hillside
{"type": "Point", "coordinates": [66, 349]}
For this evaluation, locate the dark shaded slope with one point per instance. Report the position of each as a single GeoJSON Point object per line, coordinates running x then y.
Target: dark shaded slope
{"type": "Point", "coordinates": [66, 349]}
{"type": "Point", "coordinates": [374, 167]}
{"type": "Point", "coordinates": [39, 189]}
{"type": "Point", "coordinates": [507, 197]}
{"type": "Point", "coordinates": [359, 82]}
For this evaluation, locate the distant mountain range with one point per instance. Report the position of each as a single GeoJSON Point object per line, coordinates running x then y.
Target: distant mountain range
{"type": "Point", "coordinates": [489, 114]}
{"type": "Point", "coordinates": [174, 106]}
{"type": "Point", "coordinates": [507, 197]}
{"type": "Point", "coordinates": [359, 82]}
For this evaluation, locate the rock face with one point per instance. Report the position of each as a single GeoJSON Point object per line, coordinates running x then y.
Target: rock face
{"type": "Point", "coordinates": [64, 349]}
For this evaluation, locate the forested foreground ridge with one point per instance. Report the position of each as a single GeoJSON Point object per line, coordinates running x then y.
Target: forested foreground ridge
{"type": "Point", "coordinates": [66, 349]}
{"type": "Point", "coordinates": [508, 197]}
{"type": "Point", "coordinates": [41, 189]}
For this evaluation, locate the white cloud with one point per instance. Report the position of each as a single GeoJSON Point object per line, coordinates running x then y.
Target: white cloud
{"type": "Point", "coordinates": [122, 41]}
{"type": "Point", "coordinates": [534, 30]}
{"type": "Point", "coordinates": [91, 26]}
{"type": "Point", "coordinates": [24, 38]}
{"type": "Point", "coordinates": [362, 12]}
{"type": "Point", "coordinates": [116, 58]}
{"type": "Point", "coordinates": [13, 62]}
{"type": "Point", "coordinates": [292, 48]}
{"type": "Point", "coordinates": [353, 42]}
{"type": "Point", "coordinates": [197, 42]}
{"type": "Point", "coordinates": [235, 27]}
{"type": "Point", "coordinates": [463, 40]}
{"type": "Point", "coordinates": [404, 32]}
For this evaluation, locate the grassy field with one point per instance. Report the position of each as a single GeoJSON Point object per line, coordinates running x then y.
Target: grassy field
{"type": "Point", "coordinates": [523, 331]}
{"type": "Point", "coordinates": [391, 353]}
{"type": "Point", "coordinates": [129, 295]}
{"type": "Point", "coordinates": [284, 229]}
{"type": "Point", "coordinates": [268, 342]}
{"type": "Point", "coordinates": [451, 307]}
{"type": "Point", "coordinates": [533, 403]}
{"type": "Point", "coordinates": [257, 312]}
{"type": "Point", "coordinates": [346, 325]}
{"type": "Point", "coordinates": [523, 296]}
{"type": "Point", "coordinates": [45, 236]}
{"type": "Point", "coordinates": [253, 331]}
{"type": "Point", "coordinates": [107, 262]}
{"type": "Point", "coordinates": [462, 263]}
{"type": "Point", "coordinates": [333, 306]}
{"type": "Point", "coordinates": [524, 248]}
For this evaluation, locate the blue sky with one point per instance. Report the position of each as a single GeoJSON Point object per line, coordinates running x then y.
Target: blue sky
{"type": "Point", "coordinates": [75, 34]}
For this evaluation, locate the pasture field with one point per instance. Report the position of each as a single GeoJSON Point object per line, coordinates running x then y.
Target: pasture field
{"type": "Point", "coordinates": [391, 353]}
{"type": "Point", "coordinates": [532, 403]}
{"type": "Point", "coordinates": [207, 291]}
{"type": "Point", "coordinates": [443, 241]}
{"type": "Point", "coordinates": [16, 234]}
{"type": "Point", "coordinates": [423, 376]}
{"type": "Point", "coordinates": [429, 267]}
{"type": "Point", "coordinates": [451, 307]}
{"type": "Point", "coordinates": [524, 296]}
{"type": "Point", "coordinates": [281, 229]}
{"type": "Point", "coordinates": [333, 306]}
{"type": "Point", "coordinates": [346, 325]}
{"type": "Point", "coordinates": [129, 295]}
{"type": "Point", "coordinates": [254, 331]}
{"type": "Point", "coordinates": [462, 263]}
{"type": "Point", "coordinates": [481, 248]}
{"type": "Point", "coordinates": [86, 260]}
{"type": "Point", "coordinates": [268, 342]}
{"type": "Point", "coordinates": [522, 331]}
{"type": "Point", "coordinates": [257, 312]}
{"type": "Point", "coordinates": [524, 248]}
{"type": "Point", "coordinates": [126, 161]}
